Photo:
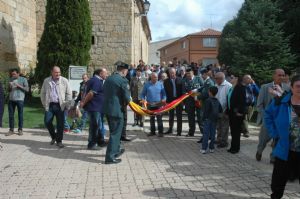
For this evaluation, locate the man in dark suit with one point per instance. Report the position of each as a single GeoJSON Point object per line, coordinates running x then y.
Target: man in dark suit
{"type": "Point", "coordinates": [173, 88]}
{"type": "Point", "coordinates": [116, 95]}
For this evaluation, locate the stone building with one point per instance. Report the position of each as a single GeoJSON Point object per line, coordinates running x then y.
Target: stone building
{"type": "Point", "coordinates": [200, 47]}
{"type": "Point", "coordinates": [120, 32]}
{"type": "Point", "coordinates": [17, 34]}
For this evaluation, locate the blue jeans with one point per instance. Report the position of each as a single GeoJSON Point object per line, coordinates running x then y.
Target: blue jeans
{"type": "Point", "coordinates": [66, 124]}
{"type": "Point", "coordinates": [95, 135]}
{"type": "Point", "coordinates": [11, 112]}
{"type": "Point", "coordinates": [55, 110]}
{"type": "Point", "coordinates": [209, 131]}
{"type": "Point", "coordinates": [82, 123]}
{"type": "Point", "coordinates": [102, 127]}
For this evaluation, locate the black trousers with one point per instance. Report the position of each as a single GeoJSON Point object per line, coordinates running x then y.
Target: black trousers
{"type": "Point", "coordinates": [138, 119]}
{"type": "Point", "coordinates": [282, 171]}
{"type": "Point", "coordinates": [235, 123]}
{"type": "Point", "coordinates": [124, 124]}
{"type": "Point", "coordinates": [159, 121]}
{"type": "Point", "coordinates": [190, 110]}
{"type": "Point", "coordinates": [179, 119]}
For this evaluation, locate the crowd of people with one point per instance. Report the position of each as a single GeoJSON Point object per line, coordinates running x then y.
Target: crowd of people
{"type": "Point", "coordinates": [221, 103]}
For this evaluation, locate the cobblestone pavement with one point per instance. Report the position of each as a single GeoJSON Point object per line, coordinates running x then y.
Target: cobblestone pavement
{"type": "Point", "coordinates": [168, 167]}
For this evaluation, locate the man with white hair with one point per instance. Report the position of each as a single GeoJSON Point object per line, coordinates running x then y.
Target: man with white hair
{"type": "Point", "coordinates": [173, 88]}
{"type": "Point", "coordinates": [154, 93]}
{"type": "Point", "coordinates": [223, 123]}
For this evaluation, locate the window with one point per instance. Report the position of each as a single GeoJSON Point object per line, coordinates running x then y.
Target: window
{"type": "Point", "coordinates": [93, 40]}
{"type": "Point", "coordinates": [183, 44]}
{"type": "Point", "coordinates": [166, 51]}
{"type": "Point", "coordinates": [209, 42]}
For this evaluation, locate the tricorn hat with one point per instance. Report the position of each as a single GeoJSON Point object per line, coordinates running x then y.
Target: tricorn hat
{"type": "Point", "coordinates": [121, 65]}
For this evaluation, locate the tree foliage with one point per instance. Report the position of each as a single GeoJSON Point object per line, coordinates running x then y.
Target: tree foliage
{"type": "Point", "coordinates": [254, 42]}
{"type": "Point", "coordinates": [66, 39]}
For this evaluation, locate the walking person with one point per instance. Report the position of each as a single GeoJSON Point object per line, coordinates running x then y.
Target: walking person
{"type": "Point", "coordinates": [116, 95]}
{"type": "Point", "coordinates": [173, 89]}
{"type": "Point", "coordinates": [93, 104]}
{"type": "Point", "coordinates": [17, 87]}
{"type": "Point", "coordinates": [236, 110]}
{"type": "Point", "coordinates": [55, 96]}
{"type": "Point", "coordinates": [282, 120]}
{"type": "Point", "coordinates": [155, 96]}
{"type": "Point", "coordinates": [211, 112]}
{"type": "Point", "coordinates": [263, 100]}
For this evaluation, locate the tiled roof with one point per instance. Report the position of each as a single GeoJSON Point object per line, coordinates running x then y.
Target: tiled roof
{"type": "Point", "coordinates": [208, 32]}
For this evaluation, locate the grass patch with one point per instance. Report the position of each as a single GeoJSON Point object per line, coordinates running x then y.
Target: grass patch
{"type": "Point", "coordinates": [33, 114]}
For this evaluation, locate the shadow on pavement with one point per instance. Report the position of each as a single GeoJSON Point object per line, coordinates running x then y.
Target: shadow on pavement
{"type": "Point", "coordinates": [186, 193]}
{"type": "Point", "coordinates": [71, 151]}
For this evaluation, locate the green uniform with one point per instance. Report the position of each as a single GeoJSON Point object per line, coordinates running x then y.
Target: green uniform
{"type": "Point", "coordinates": [116, 94]}
{"type": "Point", "coordinates": [190, 108]}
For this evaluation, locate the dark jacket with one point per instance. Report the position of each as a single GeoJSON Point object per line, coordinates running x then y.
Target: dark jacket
{"type": "Point", "coordinates": [212, 109]}
{"type": "Point", "coordinates": [116, 92]}
{"type": "Point", "coordinates": [238, 100]}
{"type": "Point", "coordinates": [168, 85]}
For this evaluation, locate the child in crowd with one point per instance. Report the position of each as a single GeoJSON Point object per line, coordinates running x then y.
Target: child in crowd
{"type": "Point", "coordinates": [211, 111]}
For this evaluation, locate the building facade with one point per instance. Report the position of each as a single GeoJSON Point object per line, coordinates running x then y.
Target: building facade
{"type": "Point", "coordinates": [154, 53]}
{"type": "Point", "coordinates": [201, 47]}
{"type": "Point", "coordinates": [119, 32]}
{"type": "Point", "coordinates": [17, 34]}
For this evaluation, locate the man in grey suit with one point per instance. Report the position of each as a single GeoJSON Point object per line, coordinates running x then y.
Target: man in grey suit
{"type": "Point", "coordinates": [266, 94]}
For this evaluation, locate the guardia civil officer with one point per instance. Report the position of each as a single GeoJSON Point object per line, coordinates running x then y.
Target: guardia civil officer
{"type": "Point", "coordinates": [116, 95]}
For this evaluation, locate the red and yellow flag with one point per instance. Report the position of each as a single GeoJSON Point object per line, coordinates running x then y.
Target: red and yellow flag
{"type": "Point", "coordinates": [145, 112]}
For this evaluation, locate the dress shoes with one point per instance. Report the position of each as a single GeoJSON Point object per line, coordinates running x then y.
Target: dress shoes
{"type": "Point", "coordinates": [60, 145]}
{"type": "Point", "coordinates": [178, 134]}
{"type": "Point", "coordinates": [125, 139]}
{"type": "Point", "coordinates": [258, 156]}
{"type": "Point", "coordinates": [189, 135]}
{"type": "Point", "coordinates": [200, 141]}
{"type": "Point", "coordinates": [141, 124]}
{"type": "Point", "coordinates": [246, 135]}
{"type": "Point", "coordinates": [222, 145]}
{"type": "Point", "coordinates": [160, 135]}
{"type": "Point", "coordinates": [114, 161]}
{"type": "Point", "coordinates": [93, 148]}
{"type": "Point", "coordinates": [168, 132]}
{"type": "Point", "coordinates": [150, 134]}
{"type": "Point", "coordinates": [102, 144]}
{"type": "Point", "coordinates": [120, 153]}
{"type": "Point", "coordinates": [52, 142]}
{"type": "Point", "coordinates": [232, 151]}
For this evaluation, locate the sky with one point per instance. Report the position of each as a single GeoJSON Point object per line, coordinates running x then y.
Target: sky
{"type": "Point", "coordinates": [177, 18]}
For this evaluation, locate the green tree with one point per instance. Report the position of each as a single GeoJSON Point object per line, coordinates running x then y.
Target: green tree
{"type": "Point", "coordinates": [66, 38]}
{"type": "Point", "coordinates": [256, 41]}
{"type": "Point", "coordinates": [290, 15]}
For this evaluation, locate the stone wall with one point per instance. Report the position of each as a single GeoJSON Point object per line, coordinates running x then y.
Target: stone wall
{"type": "Point", "coordinates": [17, 34]}
{"type": "Point", "coordinates": [111, 32]}
{"type": "Point", "coordinates": [117, 33]}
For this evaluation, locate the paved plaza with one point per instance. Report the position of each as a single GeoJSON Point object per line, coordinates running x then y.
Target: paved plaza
{"type": "Point", "coordinates": [168, 167]}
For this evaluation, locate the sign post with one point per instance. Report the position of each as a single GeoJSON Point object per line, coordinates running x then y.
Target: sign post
{"type": "Point", "coordinates": [75, 74]}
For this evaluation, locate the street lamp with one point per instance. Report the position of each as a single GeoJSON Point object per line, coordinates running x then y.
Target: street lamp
{"type": "Point", "coordinates": [146, 9]}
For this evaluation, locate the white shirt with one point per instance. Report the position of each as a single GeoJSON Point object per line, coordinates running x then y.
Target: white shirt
{"type": "Point", "coordinates": [223, 90]}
